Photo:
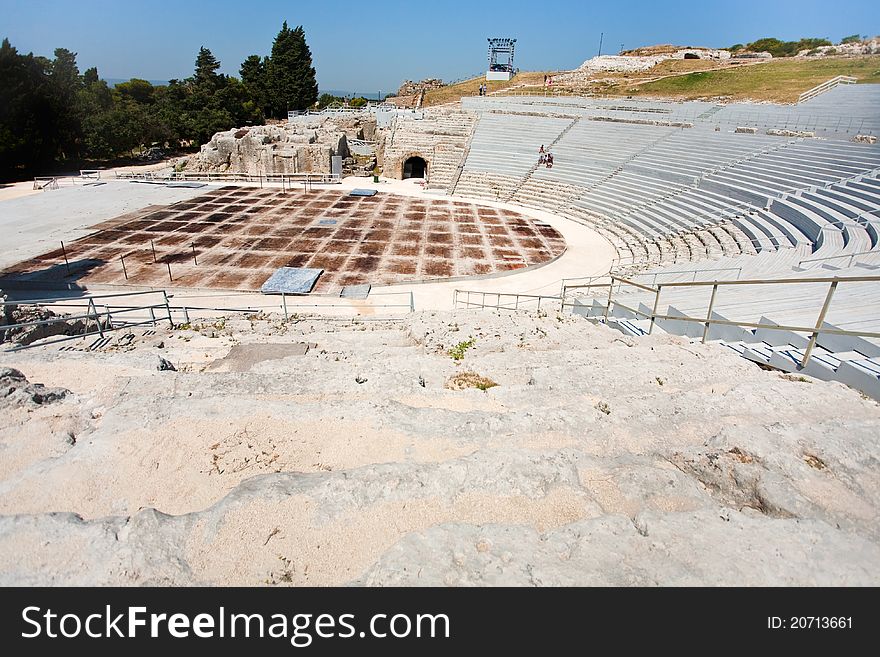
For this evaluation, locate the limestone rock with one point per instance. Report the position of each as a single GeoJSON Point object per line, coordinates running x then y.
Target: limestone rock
{"type": "Point", "coordinates": [304, 145]}
{"type": "Point", "coordinates": [16, 390]}
{"type": "Point", "coordinates": [780, 132]}
{"type": "Point", "coordinates": [287, 474]}
{"type": "Point", "coordinates": [165, 365]}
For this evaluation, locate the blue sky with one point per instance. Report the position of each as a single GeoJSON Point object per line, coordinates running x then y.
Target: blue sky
{"type": "Point", "coordinates": [374, 45]}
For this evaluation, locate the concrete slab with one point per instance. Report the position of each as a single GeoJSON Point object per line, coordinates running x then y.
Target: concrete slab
{"type": "Point", "coordinates": [291, 280]}
{"type": "Point", "coordinates": [355, 291]}
{"type": "Point", "coordinates": [242, 357]}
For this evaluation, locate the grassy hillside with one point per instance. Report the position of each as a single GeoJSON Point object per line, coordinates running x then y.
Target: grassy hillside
{"type": "Point", "coordinates": [779, 80]}
{"type": "Point", "coordinates": [471, 87]}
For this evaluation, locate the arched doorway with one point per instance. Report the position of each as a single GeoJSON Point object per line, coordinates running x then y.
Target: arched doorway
{"type": "Point", "coordinates": [415, 167]}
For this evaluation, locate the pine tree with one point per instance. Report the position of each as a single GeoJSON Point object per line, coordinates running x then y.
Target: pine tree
{"type": "Point", "coordinates": [254, 76]}
{"type": "Point", "coordinates": [206, 68]}
{"type": "Point", "coordinates": [66, 83]}
{"type": "Point", "coordinates": [291, 77]}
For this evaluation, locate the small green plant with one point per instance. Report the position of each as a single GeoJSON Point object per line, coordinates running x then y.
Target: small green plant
{"type": "Point", "coordinates": [457, 352]}
{"type": "Point", "coordinates": [603, 407]}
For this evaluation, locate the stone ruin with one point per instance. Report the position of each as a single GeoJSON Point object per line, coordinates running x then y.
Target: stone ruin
{"type": "Point", "coordinates": [411, 93]}
{"type": "Point", "coordinates": [304, 145]}
{"type": "Point", "coordinates": [865, 47]}
{"type": "Point", "coordinates": [634, 63]}
{"type": "Point", "coordinates": [410, 88]}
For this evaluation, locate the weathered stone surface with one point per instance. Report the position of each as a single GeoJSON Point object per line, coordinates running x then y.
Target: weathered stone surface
{"type": "Point", "coordinates": [781, 132]}
{"type": "Point", "coordinates": [165, 365]}
{"type": "Point", "coordinates": [598, 459]}
{"type": "Point", "coordinates": [16, 390]}
{"type": "Point", "coordinates": [410, 88]}
{"type": "Point", "coordinates": [864, 47]}
{"type": "Point", "coordinates": [302, 146]}
{"type": "Point", "coordinates": [633, 63]}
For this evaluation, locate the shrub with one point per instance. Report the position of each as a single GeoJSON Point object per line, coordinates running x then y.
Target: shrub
{"type": "Point", "coordinates": [464, 380]}
{"type": "Point", "coordinates": [457, 352]}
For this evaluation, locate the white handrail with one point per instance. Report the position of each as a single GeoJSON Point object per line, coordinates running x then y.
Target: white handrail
{"type": "Point", "coordinates": [828, 85]}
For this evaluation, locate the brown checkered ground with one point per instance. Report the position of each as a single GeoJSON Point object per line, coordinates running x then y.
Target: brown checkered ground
{"type": "Point", "coordinates": [241, 236]}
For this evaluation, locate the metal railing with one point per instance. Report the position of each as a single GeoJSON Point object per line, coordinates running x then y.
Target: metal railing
{"type": "Point", "coordinates": [828, 85]}
{"type": "Point", "coordinates": [335, 109]}
{"type": "Point", "coordinates": [738, 271]}
{"type": "Point", "coordinates": [101, 315]}
{"type": "Point", "coordinates": [849, 257]}
{"type": "Point", "coordinates": [297, 302]}
{"type": "Point", "coordinates": [85, 177]}
{"type": "Point", "coordinates": [288, 179]}
{"type": "Point", "coordinates": [512, 300]}
{"type": "Point", "coordinates": [104, 313]}
{"type": "Point", "coordinates": [814, 331]}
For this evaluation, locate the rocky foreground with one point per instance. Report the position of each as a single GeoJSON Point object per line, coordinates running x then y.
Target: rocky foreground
{"type": "Point", "coordinates": [467, 448]}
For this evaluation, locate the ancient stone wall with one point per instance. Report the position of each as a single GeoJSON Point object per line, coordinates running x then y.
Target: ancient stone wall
{"type": "Point", "coordinates": [304, 145]}
{"type": "Point", "coordinates": [410, 88]}
{"type": "Point", "coordinates": [439, 138]}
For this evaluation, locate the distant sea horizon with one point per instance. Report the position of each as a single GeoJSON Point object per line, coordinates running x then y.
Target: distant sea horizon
{"type": "Point", "coordinates": [369, 95]}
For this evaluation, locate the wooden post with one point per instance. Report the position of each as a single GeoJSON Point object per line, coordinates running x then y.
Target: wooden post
{"type": "Point", "coordinates": [195, 262]}
{"type": "Point", "coordinates": [124, 272]}
{"type": "Point", "coordinates": [152, 246]}
{"type": "Point", "coordinates": [169, 272]}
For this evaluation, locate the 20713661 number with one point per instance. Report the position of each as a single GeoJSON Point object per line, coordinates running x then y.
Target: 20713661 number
{"type": "Point", "coordinates": [809, 622]}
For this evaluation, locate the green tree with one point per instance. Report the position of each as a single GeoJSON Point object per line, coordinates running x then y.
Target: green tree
{"type": "Point", "coordinates": [254, 76]}
{"type": "Point", "coordinates": [206, 69]}
{"type": "Point", "coordinates": [326, 100]}
{"type": "Point", "coordinates": [852, 38]}
{"type": "Point", "coordinates": [66, 82]}
{"type": "Point", "coordinates": [140, 91]}
{"type": "Point", "coordinates": [94, 102]}
{"type": "Point", "coordinates": [291, 77]}
{"type": "Point", "coordinates": [779, 48]}
{"type": "Point", "coordinates": [809, 44]}
{"type": "Point", "coordinates": [25, 109]}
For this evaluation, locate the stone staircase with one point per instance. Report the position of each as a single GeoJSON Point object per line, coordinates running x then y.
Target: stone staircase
{"type": "Point", "coordinates": [534, 168]}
